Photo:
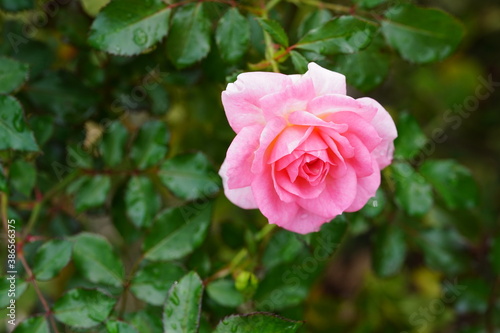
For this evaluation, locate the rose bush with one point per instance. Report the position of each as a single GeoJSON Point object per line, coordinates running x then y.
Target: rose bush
{"type": "Point", "coordinates": [304, 151]}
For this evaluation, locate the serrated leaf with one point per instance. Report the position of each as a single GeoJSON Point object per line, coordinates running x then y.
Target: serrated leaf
{"type": "Point", "coordinates": [389, 251]}
{"type": "Point", "coordinates": [189, 39]}
{"type": "Point", "coordinates": [299, 62]}
{"type": "Point", "coordinates": [189, 176]}
{"type": "Point", "coordinates": [150, 146]}
{"type": "Point", "coordinates": [128, 27]}
{"type": "Point", "coordinates": [410, 137]}
{"type": "Point", "coordinates": [257, 322]}
{"type": "Point", "coordinates": [183, 306]}
{"type": "Point", "coordinates": [90, 191]}
{"type": "Point", "coordinates": [232, 35]}
{"type": "Point", "coordinates": [452, 181]}
{"type": "Point", "coordinates": [51, 258]}
{"type": "Point", "coordinates": [142, 201]}
{"type": "Point", "coordinates": [95, 259]}
{"type": "Point", "coordinates": [153, 281]}
{"type": "Point", "coordinates": [14, 133]}
{"type": "Point", "coordinates": [23, 176]}
{"type": "Point", "coordinates": [422, 35]}
{"type": "Point", "coordinates": [345, 34]}
{"type": "Point", "coordinates": [176, 232]}
{"type": "Point", "coordinates": [82, 308]}
{"type": "Point", "coordinates": [12, 74]}
{"type": "Point", "coordinates": [275, 30]}
{"type": "Point", "coordinates": [113, 144]}
{"type": "Point", "coordinates": [413, 193]}
{"type": "Point", "coordinates": [314, 20]}
{"type": "Point", "coordinates": [115, 326]}
{"type": "Point", "coordinates": [17, 5]}
{"type": "Point", "coordinates": [37, 324]}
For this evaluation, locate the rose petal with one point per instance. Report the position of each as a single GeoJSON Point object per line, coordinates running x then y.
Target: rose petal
{"type": "Point", "coordinates": [304, 222]}
{"type": "Point", "coordinates": [326, 81]}
{"type": "Point", "coordinates": [366, 189]}
{"type": "Point", "coordinates": [324, 105]}
{"type": "Point", "coordinates": [357, 126]}
{"type": "Point", "coordinates": [242, 197]}
{"type": "Point", "coordinates": [273, 128]}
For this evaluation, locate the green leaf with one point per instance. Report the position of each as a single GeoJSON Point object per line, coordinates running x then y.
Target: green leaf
{"type": "Point", "coordinates": [369, 3]}
{"type": "Point", "coordinates": [345, 34]}
{"type": "Point", "coordinates": [365, 69]}
{"type": "Point", "coordinates": [413, 193]}
{"type": "Point", "coordinates": [176, 232]}
{"type": "Point", "coordinates": [275, 30]}
{"type": "Point", "coordinates": [472, 295]}
{"type": "Point", "coordinates": [128, 27]}
{"type": "Point", "coordinates": [299, 62]}
{"type": "Point", "coordinates": [37, 324]}
{"type": "Point", "coordinates": [95, 259]}
{"type": "Point", "coordinates": [3, 181]}
{"type": "Point", "coordinates": [189, 176]}
{"type": "Point", "coordinates": [152, 282]}
{"type": "Point", "coordinates": [421, 35]}
{"type": "Point", "coordinates": [90, 191]}
{"type": "Point", "coordinates": [16, 5]}
{"type": "Point", "coordinates": [23, 176]}
{"type": "Point", "coordinates": [150, 146]}
{"type": "Point", "coordinates": [257, 322]}
{"type": "Point", "coordinates": [93, 7]}
{"type": "Point", "coordinates": [142, 201]}
{"type": "Point", "coordinates": [232, 35]}
{"type": "Point", "coordinates": [14, 133]}
{"type": "Point", "coordinates": [113, 144]}
{"type": "Point", "coordinates": [314, 20]}
{"type": "Point", "coordinates": [5, 289]}
{"type": "Point", "coordinates": [389, 251]}
{"type": "Point", "coordinates": [43, 127]}
{"type": "Point", "coordinates": [51, 258]}
{"type": "Point", "coordinates": [148, 320]}
{"type": "Point", "coordinates": [82, 308]}
{"type": "Point", "coordinates": [12, 74]}
{"type": "Point", "coordinates": [452, 181]}
{"type": "Point", "coordinates": [189, 39]}
{"type": "Point", "coordinates": [375, 205]}
{"type": "Point", "coordinates": [284, 247]}
{"type": "Point", "coordinates": [183, 306]}
{"type": "Point", "coordinates": [115, 326]}
{"type": "Point", "coordinates": [223, 292]}
{"type": "Point", "coordinates": [410, 137]}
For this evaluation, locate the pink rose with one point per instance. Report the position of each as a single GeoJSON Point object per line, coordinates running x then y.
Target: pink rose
{"type": "Point", "coordinates": [304, 151]}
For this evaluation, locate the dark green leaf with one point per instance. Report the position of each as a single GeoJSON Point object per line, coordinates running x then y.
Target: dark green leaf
{"type": "Point", "coordinates": [12, 75]}
{"type": "Point", "coordinates": [152, 282]}
{"type": "Point", "coordinates": [114, 326]}
{"type": "Point", "coordinates": [284, 247]}
{"type": "Point", "coordinates": [113, 144]}
{"type": "Point", "coordinates": [189, 176]}
{"type": "Point", "coordinates": [452, 181]}
{"type": "Point", "coordinates": [232, 36]}
{"type": "Point", "coordinates": [472, 295]}
{"type": "Point", "coordinates": [389, 251]}
{"type": "Point", "coordinates": [51, 258]}
{"type": "Point", "coordinates": [142, 201]}
{"type": "Point", "coordinates": [223, 292]}
{"type": "Point", "coordinates": [257, 322]}
{"type": "Point", "coordinates": [375, 205]}
{"type": "Point", "coordinates": [83, 308]}
{"type": "Point", "coordinates": [410, 137]}
{"type": "Point", "coordinates": [23, 176]}
{"type": "Point", "coordinates": [420, 34]}
{"type": "Point", "coordinates": [36, 324]}
{"type": "Point", "coordinates": [43, 127]}
{"type": "Point", "coordinates": [189, 39]}
{"type": "Point", "coordinates": [147, 320]}
{"type": "Point", "coordinates": [314, 20]}
{"type": "Point", "coordinates": [3, 181]}
{"type": "Point", "coordinates": [413, 193]}
{"type": "Point", "coordinates": [275, 30]}
{"type": "Point", "coordinates": [183, 306]}
{"type": "Point", "coordinates": [96, 261]}
{"type": "Point", "coordinates": [299, 62]}
{"type": "Point", "coordinates": [177, 232]}
{"type": "Point", "coordinates": [128, 27]}
{"type": "Point", "coordinates": [150, 146]}
{"type": "Point", "coordinates": [345, 34]}
{"type": "Point", "coordinates": [90, 191]}
{"type": "Point", "coordinates": [6, 288]}
{"type": "Point", "coordinates": [16, 5]}
{"type": "Point", "coordinates": [14, 133]}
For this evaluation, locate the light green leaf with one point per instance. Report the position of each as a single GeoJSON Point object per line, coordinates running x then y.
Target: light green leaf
{"type": "Point", "coordinates": [223, 292]}
{"type": "Point", "coordinates": [275, 30]}
{"type": "Point", "coordinates": [189, 39]}
{"type": "Point", "coordinates": [90, 191]}
{"type": "Point", "coordinates": [37, 324]}
{"type": "Point", "coordinates": [299, 62]}
{"type": "Point", "coordinates": [82, 308]}
{"type": "Point", "coordinates": [176, 232]}
{"type": "Point", "coordinates": [12, 74]}
{"type": "Point", "coordinates": [183, 306]}
{"type": "Point", "coordinates": [51, 258]}
{"type": "Point", "coordinates": [142, 201]}
{"type": "Point", "coordinates": [93, 7]}
{"type": "Point", "coordinates": [95, 259]}
{"type": "Point", "coordinates": [232, 35]}
{"type": "Point", "coordinates": [113, 144]}
{"type": "Point", "coordinates": [150, 146]}
{"type": "Point", "coordinates": [128, 27]}
{"type": "Point", "coordinates": [369, 3]}
{"type": "Point", "coordinates": [389, 251]}
{"type": "Point", "coordinates": [115, 326]}
{"type": "Point", "coordinates": [257, 322]}
{"type": "Point", "coordinates": [23, 176]}
{"type": "Point", "coordinates": [14, 133]}
{"type": "Point", "coordinates": [422, 35]}
{"type": "Point", "coordinates": [413, 193]}
{"type": "Point", "coordinates": [189, 176]}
